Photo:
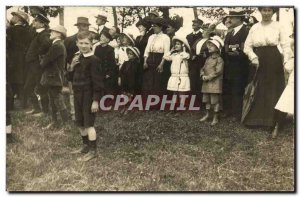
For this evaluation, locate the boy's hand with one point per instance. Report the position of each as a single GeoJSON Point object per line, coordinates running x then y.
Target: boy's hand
{"type": "Point", "coordinates": [95, 107]}
{"type": "Point", "coordinates": [74, 62]}
{"type": "Point", "coordinates": [119, 81]}
{"type": "Point", "coordinates": [145, 65]}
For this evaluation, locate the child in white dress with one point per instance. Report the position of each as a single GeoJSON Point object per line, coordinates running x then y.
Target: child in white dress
{"type": "Point", "coordinates": [179, 81]}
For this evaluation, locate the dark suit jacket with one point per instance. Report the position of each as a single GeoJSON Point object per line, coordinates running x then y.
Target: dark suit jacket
{"type": "Point", "coordinates": [192, 38]}
{"type": "Point", "coordinates": [236, 66]}
{"type": "Point", "coordinates": [18, 39]}
{"type": "Point", "coordinates": [38, 47]}
{"type": "Point", "coordinates": [53, 65]}
{"type": "Point", "coordinates": [71, 47]}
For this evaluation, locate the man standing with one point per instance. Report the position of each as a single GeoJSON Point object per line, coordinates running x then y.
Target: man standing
{"type": "Point", "coordinates": [16, 48]}
{"type": "Point", "coordinates": [195, 62]}
{"type": "Point", "coordinates": [39, 46]}
{"type": "Point", "coordinates": [237, 67]}
{"type": "Point", "coordinates": [100, 21]}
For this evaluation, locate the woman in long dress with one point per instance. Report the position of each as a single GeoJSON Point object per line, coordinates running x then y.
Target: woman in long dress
{"type": "Point", "coordinates": [261, 46]}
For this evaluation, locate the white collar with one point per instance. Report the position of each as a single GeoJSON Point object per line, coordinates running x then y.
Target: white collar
{"type": "Point", "coordinates": [57, 39]}
{"type": "Point", "coordinates": [100, 28]}
{"type": "Point", "coordinates": [196, 32]}
{"type": "Point", "coordinates": [237, 29]}
{"type": "Point", "coordinates": [86, 54]}
{"type": "Point", "coordinates": [39, 30]}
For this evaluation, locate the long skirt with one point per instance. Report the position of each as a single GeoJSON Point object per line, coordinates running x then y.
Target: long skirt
{"type": "Point", "coordinates": [151, 77]}
{"type": "Point", "coordinates": [270, 86]}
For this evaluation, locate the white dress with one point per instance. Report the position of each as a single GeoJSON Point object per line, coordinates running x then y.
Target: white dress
{"type": "Point", "coordinates": [286, 100]}
{"type": "Point", "coordinates": [179, 80]}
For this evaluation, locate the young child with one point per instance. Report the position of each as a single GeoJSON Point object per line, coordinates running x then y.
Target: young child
{"type": "Point", "coordinates": [179, 82]}
{"type": "Point", "coordinates": [126, 41]}
{"type": "Point", "coordinates": [87, 80]}
{"type": "Point", "coordinates": [212, 76]}
{"type": "Point", "coordinates": [53, 73]}
{"type": "Point", "coordinates": [106, 55]}
{"type": "Point", "coordinates": [128, 72]}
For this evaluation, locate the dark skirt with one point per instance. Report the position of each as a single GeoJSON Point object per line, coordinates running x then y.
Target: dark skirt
{"type": "Point", "coordinates": [270, 78]}
{"type": "Point", "coordinates": [151, 77]}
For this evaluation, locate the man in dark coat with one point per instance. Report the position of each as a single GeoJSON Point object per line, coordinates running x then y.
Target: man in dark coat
{"type": "Point", "coordinates": [237, 67]}
{"type": "Point", "coordinates": [195, 62]}
{"type": "Point", "coordinates": [100, 21]}
{"type": "Point", "coordinates": [18, 40]}
{"type": "Point", "coordinates": [39, 46]}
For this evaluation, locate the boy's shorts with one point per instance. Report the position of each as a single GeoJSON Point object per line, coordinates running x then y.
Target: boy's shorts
{"type": "Point", "coordinates": [83, 99]}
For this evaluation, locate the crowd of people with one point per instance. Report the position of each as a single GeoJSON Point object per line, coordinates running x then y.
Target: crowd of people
{"type": "Point", "coordinates": [240, 76]}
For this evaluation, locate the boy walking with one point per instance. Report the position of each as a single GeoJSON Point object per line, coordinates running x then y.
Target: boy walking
{"type": "Point", "coordinates": [86, 76]}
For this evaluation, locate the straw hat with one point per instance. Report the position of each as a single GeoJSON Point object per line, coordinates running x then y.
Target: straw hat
{"type": "Point", "coordinates": [134, 50]}
{"type": "Point", "coordinates": [216, 40]}
{"type": "Point", "coordinates": [102, 16]}
{"type": "Point", "coordinates": [129, 36]}
{"type": "Point", "coordinates": [61, 29]}
{"type": "Point", "coordinates": [21, 15]}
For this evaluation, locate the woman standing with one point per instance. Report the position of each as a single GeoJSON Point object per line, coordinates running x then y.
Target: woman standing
{"type": "Point", "coordinates": [157, 47]}
{"type": "Point", "coordinates": [261, 48]}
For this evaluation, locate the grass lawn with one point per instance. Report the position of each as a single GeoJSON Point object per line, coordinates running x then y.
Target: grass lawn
{"type": "Point", "coordinates": [150, 152]}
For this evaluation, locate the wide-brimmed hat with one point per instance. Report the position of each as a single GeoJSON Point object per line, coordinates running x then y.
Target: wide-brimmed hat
{"type": "Point", "coordinates": [176, 22]}
{"type": "Point", "coordinates": [82, 20]}
{"type": "Point", "coordinates": [236, 13]}
{"type": "Point", "coordinates": [216, 40]}
{"type": "Point", "coordinates": [154, 13]}
{"type": "Point", "coordinates": [102, 16]}
{"type": "Point", "coordinates": [21, 15]}
{"type": "Point", "coordinates": [135, 50]}
{"type": "Point", "coordinates": [159, 21]}
{"type": "Point", "coordinates": [42, 18]}
{"type": "Point", "coordinates": [59, 28]}
{"type": "Point", "coordinates": [183, 40]}
{"type": "Point", "coordinates": [129, 36]}
{"type": "Point", "coordinates": [144, 23]}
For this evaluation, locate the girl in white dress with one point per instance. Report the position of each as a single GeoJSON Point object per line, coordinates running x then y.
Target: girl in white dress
{"type": "Point", "coordinates": [179, 82]}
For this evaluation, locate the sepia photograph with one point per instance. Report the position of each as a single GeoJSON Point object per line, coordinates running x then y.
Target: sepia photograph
{"type": "Point", "coordinates": [150, 98]}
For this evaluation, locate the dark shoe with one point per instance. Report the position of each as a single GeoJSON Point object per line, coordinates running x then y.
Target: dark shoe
{"type": "Point", "coordinates": [83, 149]}
{"type": "Point", "coordinates": [90, 155]}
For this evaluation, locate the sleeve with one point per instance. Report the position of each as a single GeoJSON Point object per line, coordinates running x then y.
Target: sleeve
{"type": "Point", "coordinates": [54, 52]}
{"type": "Point", "coordinates": [185, 55]}
{"type": "Point", "coordinates": [167, 44]}
{"type": "Point", "coordinates": [219, 69]}
{"type": "Point", "coordinates": [147, 50]}
{"type": "Point", "coordinates": [97, 79]}
{"type": "Point", "coordinates": [168, 57]}
{"type": "Point", "coordinates": [248, 48]}
{"type": "Point", "coordinates": [285, 43]}
{"type": "Point", "coordinates": [113, 72]}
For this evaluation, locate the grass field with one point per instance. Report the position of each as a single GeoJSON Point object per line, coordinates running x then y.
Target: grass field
{"type": "Point", "coordinates": [150, 152]}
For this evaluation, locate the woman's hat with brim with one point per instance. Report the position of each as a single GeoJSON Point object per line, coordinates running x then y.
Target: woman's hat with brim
{"type": "Point", "coordinates": [216, 40]}
{"type": "Point", "coordinates": [82, 20]}
{"type": "Point", "coordinates": [59, 28]}
{"type": "Point", "coordinates": [21, 15]}
{"type": "Point", "coordinates": [159, 21]}
{"type": "Point", "coordinates": [42, 18]}
{"type": "Point", "coordinates": [134, 50]}
{"type": "Point", "coordinates": [176, 22]}
{"type": "Point", "coordinates": [183, 40]}
{"type": "Point", "coordinates": [129, 36]}
{"type": "Point", "coordinates": [144, 23]}
{"type": "Point", "coordinates": [102, 16]}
